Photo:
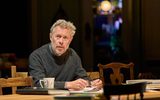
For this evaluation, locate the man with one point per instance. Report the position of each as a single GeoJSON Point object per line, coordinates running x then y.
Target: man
{"type": "Point", "coordinates": [56, 59]}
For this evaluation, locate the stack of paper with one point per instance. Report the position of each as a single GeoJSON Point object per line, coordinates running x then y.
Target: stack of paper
{"type": "Point", "coordinates": [36, 90]}
{"type": "Point", "coordinates": [151, 83]}
{"type": "Point", "coordinates": [88, 90]}
{"type": "Point", "coordinates": [42, 91]}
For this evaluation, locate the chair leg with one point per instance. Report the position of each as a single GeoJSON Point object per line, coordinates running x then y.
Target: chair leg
{"type": "Point", "coordinates": [119, 97]}
{"type": "Point", "coordinates": [108, 97]}
{"type": "Point", "coordinates": [1, 92]}
{"type": "Point", "coordinates": [128, 97]}
{"type": "Point", "coordinates": [134, 96]}
{"type": "Point", "coordinates": [141, 96]}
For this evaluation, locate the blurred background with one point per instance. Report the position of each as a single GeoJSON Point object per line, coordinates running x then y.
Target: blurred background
{"type": "Point", "coordinates": [128, 32]}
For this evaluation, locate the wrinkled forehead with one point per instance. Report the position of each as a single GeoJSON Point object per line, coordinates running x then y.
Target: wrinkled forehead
{"type": "Point", "coordinates": [62, 28]}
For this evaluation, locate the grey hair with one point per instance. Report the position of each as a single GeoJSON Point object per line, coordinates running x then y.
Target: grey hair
{"type": "Point", "coordinates": [64, 24]}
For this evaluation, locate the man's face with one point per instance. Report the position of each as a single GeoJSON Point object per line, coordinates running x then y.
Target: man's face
{"type": "Point", "coordinates": [60, 40]}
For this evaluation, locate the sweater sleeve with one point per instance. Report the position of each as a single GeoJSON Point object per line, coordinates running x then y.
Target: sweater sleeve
{"type": "Point", "coordinates": [35, 69]}
{"type": "Point", "coordinates": [59, 84]}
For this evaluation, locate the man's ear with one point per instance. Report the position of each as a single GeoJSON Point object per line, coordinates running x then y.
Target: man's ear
{"type": "Point", "coordinates": [50, 37]}
{"type": "Point", "coordinates": [71, 39]}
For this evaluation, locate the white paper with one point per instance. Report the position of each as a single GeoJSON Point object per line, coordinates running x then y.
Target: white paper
{"type": "Point", "coordinates": [87, 90]}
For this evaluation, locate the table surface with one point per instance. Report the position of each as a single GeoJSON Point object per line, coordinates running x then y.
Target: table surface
{"type": "Point", "coordinates": [149, 95]}
{"type": "Point", "coordinates": [26, 97]}
{"type": "Point", "coordinates": [154, 95]}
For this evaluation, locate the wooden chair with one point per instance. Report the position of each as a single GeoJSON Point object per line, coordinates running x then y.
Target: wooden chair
{"type": "Point", "coordinates": [125, 90]}
{"type": "Point", "coordinates": [14, 73]}
{"type": "Point", "coordinates": [15, 82]}
{"type": "Point", "coordinates": [117, 76]}
{"type": "Point", "coordinates": [93, 75]}
{"type": "Point", "coordinates": [17, 79]}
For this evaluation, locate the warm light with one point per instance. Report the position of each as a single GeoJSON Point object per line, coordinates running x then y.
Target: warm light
{"type": "Point", "coordinates": [106, 5]}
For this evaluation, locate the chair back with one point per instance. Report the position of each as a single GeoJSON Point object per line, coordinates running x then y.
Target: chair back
{"type": "Point", "coordinates": [125, 89]}
{"type": "Point", "coordinates": [18, 79]}
{"type": "Point", "coordinates": [117, 76]}
{"type": "Point", "coordinates": [15, 82]}
{"type": "Point", "coordinates": [93, 75]}
{"type": "Point", "coordinates": [14, 73]}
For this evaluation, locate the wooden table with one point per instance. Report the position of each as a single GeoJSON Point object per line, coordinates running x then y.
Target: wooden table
{"type": "Point", "coordinates": [147, 96]}
{"type": "Point", "coordinates": [26, 97]}
{"type": "Point", "coordinates": [150, 95]}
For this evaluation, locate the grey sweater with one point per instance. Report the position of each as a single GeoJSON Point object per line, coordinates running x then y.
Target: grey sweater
{"type": "Point", "coordinates": [68, 67]}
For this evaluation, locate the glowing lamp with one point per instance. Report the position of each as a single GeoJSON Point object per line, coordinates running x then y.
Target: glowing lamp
{"type": "Point", "coordinates": [106, 5]}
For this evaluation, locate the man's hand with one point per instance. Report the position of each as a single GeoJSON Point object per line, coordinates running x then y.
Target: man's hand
{"type": "Point", "coordinates": [78, 84]}
{"type": "Point", "coordinates": [97, 83]}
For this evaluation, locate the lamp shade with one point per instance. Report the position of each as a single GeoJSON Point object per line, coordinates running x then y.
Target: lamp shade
{"type": "Point", "coordinates": [105, 5]}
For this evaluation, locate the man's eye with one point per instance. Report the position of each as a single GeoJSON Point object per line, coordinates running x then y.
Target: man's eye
{"type": "Point", "coordinates": [58, 36]}
{"type": "Point", "coordinates": [65, 38]}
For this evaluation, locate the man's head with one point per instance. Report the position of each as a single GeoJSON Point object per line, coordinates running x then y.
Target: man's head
{"type": "Point", "coordinates": [61, 35]}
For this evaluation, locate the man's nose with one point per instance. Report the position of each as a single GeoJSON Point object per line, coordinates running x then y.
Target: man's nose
{"type": "Point", "coordinates": [61, 40]}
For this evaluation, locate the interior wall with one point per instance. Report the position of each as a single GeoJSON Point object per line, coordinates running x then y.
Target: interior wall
{"type": "Point", "coordinates": [127, 33]}
{"type": "Point", "coordinates": [87, 34]}
{"type": "Point", "coordinates": [150, 29]}
{"type": "Point", "coordinates": [141, 35]}
{"type": "Point", "coordinates": [14, 37]}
